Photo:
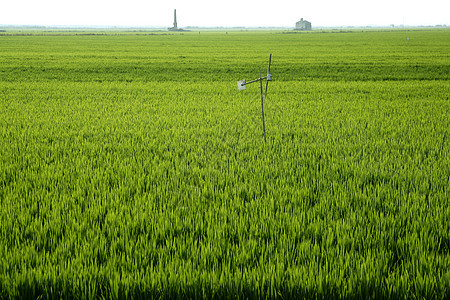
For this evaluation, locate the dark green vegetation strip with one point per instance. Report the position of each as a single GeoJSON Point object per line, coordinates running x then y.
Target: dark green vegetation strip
{"type": "Point", "coordinates": [130, 166]}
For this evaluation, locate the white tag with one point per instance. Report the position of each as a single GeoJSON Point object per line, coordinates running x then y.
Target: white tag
{"type": "Point", "coordinates": [241, 85]}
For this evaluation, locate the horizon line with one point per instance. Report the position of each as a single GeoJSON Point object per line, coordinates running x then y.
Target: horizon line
{"type": "Point", "coordinates": [211, 27]}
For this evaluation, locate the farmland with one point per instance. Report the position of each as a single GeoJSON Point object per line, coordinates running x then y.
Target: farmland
{"type": "Point", "coordinates": [131, 166]}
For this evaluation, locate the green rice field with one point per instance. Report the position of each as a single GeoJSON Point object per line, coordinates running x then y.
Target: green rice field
{"type": "Point", "coordinates": [132, 167]}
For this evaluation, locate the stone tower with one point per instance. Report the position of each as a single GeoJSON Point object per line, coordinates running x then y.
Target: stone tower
{"type": "Point", "coordinates": [175, 19]}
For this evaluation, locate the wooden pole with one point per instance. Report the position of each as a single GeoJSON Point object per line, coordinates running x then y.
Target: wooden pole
{"type": "Point", "coordinates": [259, 79]}
{"type": "Point", "coordinates": [269, 77]}
{"type": "Point", "coordinates": [262, 106]}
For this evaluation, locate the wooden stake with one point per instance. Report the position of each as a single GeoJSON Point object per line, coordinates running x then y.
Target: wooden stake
{"type": "Point", "coordinates": [262, 106]}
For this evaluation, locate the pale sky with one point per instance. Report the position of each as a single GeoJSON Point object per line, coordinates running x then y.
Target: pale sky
{"type": "Point", "coordinates": [225, 13]}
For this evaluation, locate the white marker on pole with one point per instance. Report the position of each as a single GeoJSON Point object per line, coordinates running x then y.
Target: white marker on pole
{"type": "Point", "coordinates": [242, 86]}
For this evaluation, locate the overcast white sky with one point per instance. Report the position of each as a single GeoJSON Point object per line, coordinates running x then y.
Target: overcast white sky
{"type": "Point", "coordinates": [225, 13]}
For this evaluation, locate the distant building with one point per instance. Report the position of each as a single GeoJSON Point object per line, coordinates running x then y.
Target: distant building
{"type": "Point", "coordinates": [175, 25]}
{"type": "Point", "coordinates": [303, 25]}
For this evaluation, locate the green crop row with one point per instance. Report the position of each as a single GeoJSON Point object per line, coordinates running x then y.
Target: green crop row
{"type": "Point", "coordinates": [367, 56]}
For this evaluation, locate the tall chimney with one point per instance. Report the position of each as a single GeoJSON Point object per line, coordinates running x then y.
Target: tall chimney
{"type": "Point", "coordinates": [175, 19]}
